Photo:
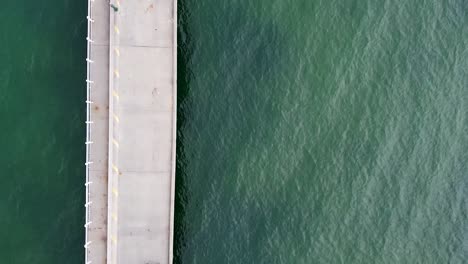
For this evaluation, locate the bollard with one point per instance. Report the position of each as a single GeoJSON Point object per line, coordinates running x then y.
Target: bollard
{"type": "Point", "coordinates": [88, 183]}
{"type": "Point", "coordinates": [88, 204]}
{"type": "Point", "coordinates": [87, 224]}
{"type": "Point", "coordinates": [88, 142]}
{"type": "Point", "coordinates": [89, 19]}
{"type": "Point", "coordinates": [89, 40]}
{"type": "Point", "coordinates": [88, 163]}
{"type": "Point", "coordinates": [88, 81]}
{"type": "Point", "coordinates": [89, 61]}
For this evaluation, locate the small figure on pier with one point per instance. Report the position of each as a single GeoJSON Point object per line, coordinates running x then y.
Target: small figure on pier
{"type": "Point", "coordinates": [114, 7]}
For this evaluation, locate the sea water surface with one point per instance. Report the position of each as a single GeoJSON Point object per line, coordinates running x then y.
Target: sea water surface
{"type": "Point", "coordinates": [42, 131]}
{"type": "Point", "coordinates": [322, 131]}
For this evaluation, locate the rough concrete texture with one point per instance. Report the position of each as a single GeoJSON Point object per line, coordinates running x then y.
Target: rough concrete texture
{"type": "Point", "coordinates": [99, 114]}
{"type": "Point", "coordinates": [142, 75]}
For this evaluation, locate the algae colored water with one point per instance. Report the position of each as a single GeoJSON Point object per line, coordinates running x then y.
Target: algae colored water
{"type": "Point", "coordinates": [309, 131]}
{"type": "Point", "coordinates": [42, 115]}
{"type": "Point", "coordinates": [322, 132]}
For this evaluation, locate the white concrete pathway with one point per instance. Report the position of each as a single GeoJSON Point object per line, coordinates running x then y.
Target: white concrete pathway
{"type": "Point", "coordinates": [131, 160]}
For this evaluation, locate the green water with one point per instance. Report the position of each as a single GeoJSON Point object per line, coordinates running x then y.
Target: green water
{"type": "Point", "coordinates": [42, 114]}
{"type": "Point", "coordinates": [309, 131]}
{"type": "Point", "coordinates": [322, 132]}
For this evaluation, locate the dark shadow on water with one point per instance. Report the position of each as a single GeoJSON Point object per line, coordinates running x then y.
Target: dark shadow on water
{"type": "Point", "coordinates": [183, 79]}
{"type": "Point", "coordinates": [245, 56]}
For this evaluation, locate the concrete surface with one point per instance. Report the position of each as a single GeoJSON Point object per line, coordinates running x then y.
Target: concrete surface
{"type": "Point", "coordinates": [99, 94]}
{"type": "Point", "coordinates": [134, 93]}
{"type": "Point", "coordinates": [142, 119]}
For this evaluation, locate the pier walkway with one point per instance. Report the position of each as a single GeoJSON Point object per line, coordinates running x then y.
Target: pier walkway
{"type": "Point", "coordinates": [132, 91]}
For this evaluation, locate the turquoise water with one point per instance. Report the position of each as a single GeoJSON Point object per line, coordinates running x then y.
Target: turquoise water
{"type": "Point", "coordinates": [42, 114]}
{"type": "Point", "coordinates": [322, 132]}
{"type": "Point", "coordinates": [309, 132]}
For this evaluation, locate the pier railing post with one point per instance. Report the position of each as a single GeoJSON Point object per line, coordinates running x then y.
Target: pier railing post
{"type": "Point", "coordinates": [89, 122]}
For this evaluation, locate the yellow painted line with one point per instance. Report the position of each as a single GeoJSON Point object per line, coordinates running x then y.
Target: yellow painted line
{"type": "Point", "coordinates": [115, 168]}
{"type": "Point", "coordinates": [115, 192]}
{"type": "Point", "coordinates": [117, 74]}
{"type": "Point", "coordinates": [115, 143]}
{"type": "Point", "coordinates": [114, 240]}
{"type": "Point", "coordinates": [114, 216]}
{"type": "Point", "coordinates": [117, 119]}
{"type": "Point", "coordinates": [117, 51]}
{"type": "Point", "coordinates": [115, 94]}
{"type": "Point", "coordinates": [118, 3]}
{"type": "Point", "coordinates": [117, 30]}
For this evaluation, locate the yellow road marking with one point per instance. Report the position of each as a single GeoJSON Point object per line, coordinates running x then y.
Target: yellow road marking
{"type": "Point", "coordinates": [115, 168]}
{"type": "Point", "coordinates": [115, 94]}
{"type": "Point", "coordinates": [115, 143]}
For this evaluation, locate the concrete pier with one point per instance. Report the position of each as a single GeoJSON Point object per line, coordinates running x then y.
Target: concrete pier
{"type": "Point", "coordinates": [134, 55]}
{"type": "Point", "coordinates": [98, 131]}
